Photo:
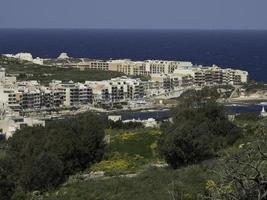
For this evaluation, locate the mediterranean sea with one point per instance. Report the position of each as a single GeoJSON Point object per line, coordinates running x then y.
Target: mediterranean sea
{"type": "Point", "coordinates": [245, 50]}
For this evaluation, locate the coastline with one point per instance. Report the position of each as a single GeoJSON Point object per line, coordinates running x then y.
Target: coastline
{"type": "Point", "coordinates": [247, 100]}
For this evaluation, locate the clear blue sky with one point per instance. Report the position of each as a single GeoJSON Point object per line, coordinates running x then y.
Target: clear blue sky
{"type": "Point", "coordinates": [140, 14]}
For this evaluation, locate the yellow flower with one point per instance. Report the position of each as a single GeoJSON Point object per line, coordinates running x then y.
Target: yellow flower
{"type": "Point", "coordinates": [126, 136]}
{"type": "Point", "coordinates": [210, 185]}
{"type": "Point", "coordinates": [110, 165]}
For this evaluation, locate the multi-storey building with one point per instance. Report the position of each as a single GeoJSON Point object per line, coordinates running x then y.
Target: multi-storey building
{"type": "Point", "coordinates": [165, 67]}
{"type": "Point", "coordinates": [196, 76]}
{"type": "Point", "coordinates": [117, 90]}
{"type": "Point", "coordinates": [185, 71]}
{"type": "Point", "coordinates": [147, 67]}
{"type": "Point", "coordinates": [29, 95]}
{"type": "Point", "coordinates": [9, 97]}
{"type": "Point", "coordinates": [128, 67]}
{"type": "Point", "coordinates": [161, 81]}
{"type": "Point", "coordinates": [212, 75]}
{"type": "Point", "coordinates": [30, 99]}
{"type": "Point", "coordinates": [166, 76]}
{"type": "Point", "coordinates": [72, 94]}
{"type": "Point", "coordinates": [93, 64]}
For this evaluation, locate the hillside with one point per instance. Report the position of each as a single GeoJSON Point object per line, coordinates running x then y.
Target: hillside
{"type": "Point", "coordinates": [28, 71]}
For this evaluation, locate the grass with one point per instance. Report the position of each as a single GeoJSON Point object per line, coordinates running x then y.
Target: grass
{"type": "Point", "coordinates": [44, 74]}
{"type": "Point", "coordinates": [135, 142]}
{"type": "Point", "coordinates": [154, 183]}
{"type": "Point", "coordinates": [129, 151]}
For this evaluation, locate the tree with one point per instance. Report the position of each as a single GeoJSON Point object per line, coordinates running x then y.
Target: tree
{"type": "Point", "coordinates": [128, 125]}
{"type": "Point", "coordinates": [45, 157]}
{"type": "Point", "coordinates": [7, 186]}
{"type": "Point", "coordinates": [46, 172]}
{"type": "Point", "coordinates": [200, 128]}
{"type": "Point", "coordinates": [242, 175]}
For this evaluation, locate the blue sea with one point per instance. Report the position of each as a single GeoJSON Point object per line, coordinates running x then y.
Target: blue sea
{"type": "Point", "coordinates": [238, 49]}
{"type": "Point", "coordinates": [164, 114]}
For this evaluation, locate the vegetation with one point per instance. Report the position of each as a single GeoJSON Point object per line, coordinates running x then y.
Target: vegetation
{"type": "Point", "coordinates": [128, 151]}
{"type": "Point", "coordinates": [204, 180]}
{"type": "Point", "coordinates": [45, 74]}
{"type": "Point", "coordinates": [6, 181]}
{"type": "Point", "coordinates": [242, 175]}
{"type": "Point", "coordinates": [253, 86]}
{"type": "Point", "coordinates": [222, 91]}
{"type": "Point", "coordinates": [2, 146]}
{"type": "Point", "coordinates": [200, 128]}
{"type": "Point", "coordinates": [209, 157]}
{"type": "Point", "coordinates": [42, 158]}
{"type": "Point", "coordinates": [153, 183]}
{"type": "Point", "coordinates": [142, 77]}
{"type": "Point", "coordinates": [120, 125]}
{"type": "Point", "coordinates": [247, 116]}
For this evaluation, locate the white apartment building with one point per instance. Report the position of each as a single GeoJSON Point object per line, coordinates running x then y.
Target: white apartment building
{"type": "Point", "coordinates": [160, 82]}
{"type": "Point", "coordinates": [72, 94]}
{"type": "Point", "coordinates": [196, 76]}
{"type": "Point", "coordinates": [128, 67]}
{"type": "Point", "coordinates": [10, 97]}
{"type": "Point", "coordinates": [211, 76]}
{"type": "Point", "coordinates": [147, 67]}
{"type": "Point", "coordinates": [215, 76]}
{"type": "Point", "coordinates": [92, 64]}
{"type": "Point", "coordinates": [117, 90]}
{"type": "Point", "coordinates": [30, 95]}
{"type": "Point", "coordinates": [165, 67]}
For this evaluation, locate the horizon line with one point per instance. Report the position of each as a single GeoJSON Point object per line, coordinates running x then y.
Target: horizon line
{"type": "Point", "coordinates": [145, 29]}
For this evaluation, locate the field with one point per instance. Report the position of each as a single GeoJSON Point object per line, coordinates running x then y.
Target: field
{"type": "Point", "coordinates": [128, 151]}
{"type": "Point", "coordinates": [131, 152]}
{"type": "Point", "coordinates": [152, 184]}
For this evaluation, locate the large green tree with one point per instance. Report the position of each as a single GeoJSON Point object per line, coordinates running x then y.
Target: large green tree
{"type": "Point", "coordinates": [43, 157]}
{"type": "Point", "coordinates": [7, 186]}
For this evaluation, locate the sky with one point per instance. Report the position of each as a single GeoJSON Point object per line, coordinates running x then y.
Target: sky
{"type": "Point", "coordinates": [134, 14]}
